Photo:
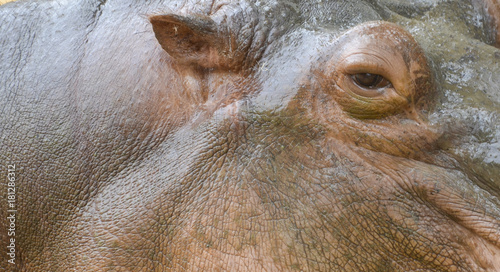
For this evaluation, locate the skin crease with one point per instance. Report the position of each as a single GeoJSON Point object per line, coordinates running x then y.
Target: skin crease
{"type": "Point", "coordinates": [214, 136]}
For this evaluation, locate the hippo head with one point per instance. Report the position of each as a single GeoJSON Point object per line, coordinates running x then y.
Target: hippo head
{"type": "Point", "coordinates": [319, 148]}
{"type": "Point", "coordinates": [263, 136]}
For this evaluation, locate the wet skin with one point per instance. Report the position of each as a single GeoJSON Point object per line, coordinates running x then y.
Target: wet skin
{"type": "Point", "coordinates": [246, 136]}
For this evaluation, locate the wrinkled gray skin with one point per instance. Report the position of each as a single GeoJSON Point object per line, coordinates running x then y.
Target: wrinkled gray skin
{"type": "Point", "coordinates": [122, 166]}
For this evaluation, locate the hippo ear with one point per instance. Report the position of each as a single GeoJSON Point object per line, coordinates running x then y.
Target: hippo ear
{"type": "Point", "coordinates": [190, 40]}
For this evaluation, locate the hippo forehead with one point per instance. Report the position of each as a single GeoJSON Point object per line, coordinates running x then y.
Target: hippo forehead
{"type": "Point", "coordinates": [334, 15]}
{"type": "Point", "coordinates": [295, 33]}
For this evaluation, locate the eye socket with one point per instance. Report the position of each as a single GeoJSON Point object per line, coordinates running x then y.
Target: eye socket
{"type": "Point", "coordinates": [370, 81]}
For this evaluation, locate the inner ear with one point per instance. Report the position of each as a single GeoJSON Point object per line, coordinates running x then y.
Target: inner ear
{"type": "Point", "coordinates": [189, 40]}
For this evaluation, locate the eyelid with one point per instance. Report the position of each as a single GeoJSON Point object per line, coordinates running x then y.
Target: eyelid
{"type": "Point", "coordinates": [362, 63]}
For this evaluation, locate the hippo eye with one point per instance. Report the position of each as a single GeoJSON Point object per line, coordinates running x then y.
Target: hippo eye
{"type": "Point", "coordinates": [370, 81]}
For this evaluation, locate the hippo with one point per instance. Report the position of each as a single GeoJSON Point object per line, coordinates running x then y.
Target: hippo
{"type": "Point", "coordinates": [248, 135]}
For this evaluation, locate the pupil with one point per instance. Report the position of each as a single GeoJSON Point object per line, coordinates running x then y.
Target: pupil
{"type": "Point", "coordinates": [367, 79]}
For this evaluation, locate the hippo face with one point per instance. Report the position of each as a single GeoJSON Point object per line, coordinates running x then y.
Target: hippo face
{"type": "Point", "coordinates": [252, 136]}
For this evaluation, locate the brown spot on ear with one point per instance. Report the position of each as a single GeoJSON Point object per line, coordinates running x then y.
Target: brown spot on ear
{"type": "Point", "coordinates": [189, 40]}
{"type": "Point", "coordinates": [492, 7]}
{"type": "Point", "coordinates": [494, 11]}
